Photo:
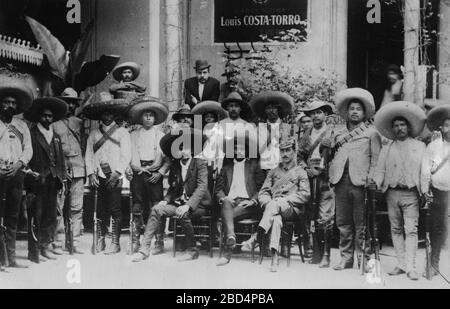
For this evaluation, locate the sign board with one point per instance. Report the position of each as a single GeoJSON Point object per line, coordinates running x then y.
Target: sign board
{"type": "Point", "coordinates": [247, 20]}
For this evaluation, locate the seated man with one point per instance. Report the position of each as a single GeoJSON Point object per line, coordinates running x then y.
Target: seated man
{"type": "Point", "coordinates": [286, 188]}
{"type": "Point", "coordinates": [187, 197]}
{"type": "Point", "coordinates": [237, 201]}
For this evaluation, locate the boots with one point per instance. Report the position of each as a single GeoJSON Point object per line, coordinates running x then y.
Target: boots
{"type": "Point", "coordinates": [159, 244]}
{"type": "Point", "coordinates": [317, 251]}
{"type": "Point", "coordinates": [325, 249]}
{"type": "Point", "coordinates": [115, 245]}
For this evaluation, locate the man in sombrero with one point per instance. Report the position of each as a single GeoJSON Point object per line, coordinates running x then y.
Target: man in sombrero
{"type": "Point", "coordinates": [48, 160]}
{"type": "Point", "coordinates": [201, 87]}
{"type": "Point", "coordinates": [310, 155]}
{"type": "Point", "coordinates": [15, 153]}
{"type": "Point", "coordinates": [435, 180]}
{"type": "Point", "coordinates": [125, 74]}
{"type": "Point", "coordinates": [237, 189]}
{"type": "Point", "coordinates": [187, 198]}
{"type": "Point", "coordinates": [70, 130]}
{"type": "Point", "coordinates": [149, 165]}
{"type": "Point", "coordinates": [272, 107]}
{"type": "Point", "coordinates": [183, 117]}
{"type": "Point", "coordinates": [356, 147]}
{"type": "Point", "coordinates": [108, 154]}
{"type": "Point", "coordinates": [397, 174]}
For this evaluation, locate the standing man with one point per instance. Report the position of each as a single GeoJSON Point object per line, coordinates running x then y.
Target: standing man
{"type": "Point", "coordinates": [356, 147]}
{"type": "Point", "coordinates": [126, 74]}
{"type": "Point", "coordinates": [201, 87]}
{"type": "Point", "coordinates": [48, 161]}
{"type": "Point", "coordinates": [322, 211]}
{"type": "Point", "coordinates": [237, 190]}
{"type": "Point", "coordinates": [284, 191]}
{"type": "Point", "coordinates": [436, 182]}
{"type": "Point", "coordinates": [238, 110]}
{"type": "Point", "coordinates": [398, 174]}
{"type": "Point", "coordinates": [149, 165]}
{"type": "Point", "coordinates": [187, 197]}
{"type": "Point", "coordinates": [108, 154]}
{"type": "Point", "coordinates": [304, 123]}
{"type": "Point", "coordinates": [70, 130]}
{"type": "Point", "coordinates": [15, 153]}
{"type": "Point", "coordinates": [272, 106]}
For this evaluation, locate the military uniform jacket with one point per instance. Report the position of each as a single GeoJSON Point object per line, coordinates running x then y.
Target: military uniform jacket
{"type": "Point", "coordinates": [295, 190]}
{"type": "Point", "coordinates": [195, 184]}
{"type": "Point", "coordinates": [69, 130]}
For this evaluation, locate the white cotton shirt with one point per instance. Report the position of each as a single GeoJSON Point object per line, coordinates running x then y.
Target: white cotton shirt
{"type": "Point", "coordinates": [184, 169]}
{"type": "Point", "coordinates": [11, 149]}
{"type": "Point", "coordinates": [48, 134]}
{"type": "Point", "coordinates": [436, 152]}
{"type": "Point", "coordinates": [201, 87]}
{"type": "Point", "coordinates": [238, 187]}
{"type": "Point", "coordinates": [270, 156]}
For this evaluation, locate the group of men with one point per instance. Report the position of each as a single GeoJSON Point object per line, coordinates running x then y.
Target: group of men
{"type": "Point", "coordinates": [225, 167]}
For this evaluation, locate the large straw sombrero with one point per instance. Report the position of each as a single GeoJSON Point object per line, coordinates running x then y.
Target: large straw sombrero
{"type": "Point", "coordinates": [19, 91]}
{"type": "Point", "coordinates": [205, 107]}
{"type": "Point", "coordinates": [133, 66]}
{"type": "Point", "coordinates": [70, 95]}
{"type": "Point", "coordinates": [410, 111]}
{"type": "Point", "coordinates": [94, 110]}
{"type": "Point", "coordinates": [437, 116]}
{"type": "Point", "coordinates": [344, 97]}
{"type": "Point", "coordinates": [148, 104]}
{"type": "Point", "coordinates": [57, 106]}
{"type": "Point", "coordinates": [190, 138]}
{"type": "Point", "coordinates": [259, 102]}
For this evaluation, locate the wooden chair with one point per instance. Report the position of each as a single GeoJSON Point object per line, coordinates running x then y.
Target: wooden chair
{"type": "Point", "coordinates": [245, 227]}
{"type": "Point", "coordinates": [203, 229]}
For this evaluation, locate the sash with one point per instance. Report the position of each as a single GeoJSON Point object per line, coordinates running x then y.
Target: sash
{"type": "Point", "coordinates": [316, 143]}
{"type": "Point", "coordinates": [77, 137]}
{"type": "Point", "coordinates": [283, 180]}
{"type": "Point", "coordinates": [106, 136]}
{"type": "Point", "coordinates": [16, 132]}
{"type": "Point", "coordinates": [351, 135]}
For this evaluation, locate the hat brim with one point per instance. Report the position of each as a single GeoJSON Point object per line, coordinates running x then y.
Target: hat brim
{"type": "Point", "coordinates": [186, 136]}
{"type": "Point", "coordinates": [410, 111]}
{"type": "Point", "coordinates": [127, 65]}
{"type": "Point", "coordinates": [202, 67]}
{"type": "Point", "coordinates": [57, 106]}
{"type": "Point", "coordinates": [94, 110]}
{"type": "Point", "coordinates": [325, 107]}
{"type": "Point", "coordinates": [161, 112]}
{"type": "Point", "coordinates": [344, 97]}
{"type": "Point", "coordinates": [210, 107]}
{"type": "Point", "coordinates": [259, 102]}
{"type": "Point", "coordinates": [437, 116]}
{"type": "Point", "coordinates": [246, 111]}
{"type": "Point", "coordinates": [22, 94]}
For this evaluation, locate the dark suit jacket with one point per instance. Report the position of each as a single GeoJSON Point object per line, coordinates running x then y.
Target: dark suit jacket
{"type": "Point", "coordinates": [195, 184]}
{"type": "Point", "coordinates": [40, 162]}
{"type": "Point", "coordinates": [254, 178]}
{"type": "Point", "coordinates": [210, 92]}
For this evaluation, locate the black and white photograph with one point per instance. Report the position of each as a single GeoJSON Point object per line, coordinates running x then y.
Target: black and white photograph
{"type": "Point", "coordinates": [224, 145]}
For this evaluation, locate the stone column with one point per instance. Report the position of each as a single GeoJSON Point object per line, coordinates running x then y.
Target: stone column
{"type": "Point", "coordinates": [444, 51]}
{"type": "Point", "coordinates": [154, 45]}
{"type": "Point", "coordinates": [174, 56]}
{"type": "Point", "coordinates": [411, 53]}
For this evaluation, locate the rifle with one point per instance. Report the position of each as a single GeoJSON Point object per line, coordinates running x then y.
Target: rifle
{"type": "Point", "coordinates": [375, 243]}
{"type": "Point", "coordinates": [4, 253]}
{"type": "Point", "coordinates": [315, 205]}
{"type": "Point", "coordinates": [94, 240]}
{"type": "Point", "coordinates": [130, 200]}
{"type": "Point", "coordinates": [68, 222]}
{"type": "Point", "coordinates": [428, 266]}
{"type": "Point", "coordinates": [364, 234]}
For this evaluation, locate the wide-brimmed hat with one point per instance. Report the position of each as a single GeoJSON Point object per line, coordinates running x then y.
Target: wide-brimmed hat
{"type": "Point", "coordinates": [259, 102]}
{"type": "Point", "coordinates": [315, 105]}
{"type": "Point", "coordinates": [183, 111]}
{"type": "Point", "coordinates": [148, 104]}
{"type": "Point", "coordinates": [57, 106]}
{"type": "Point", "coordinates": [411, 112]}
{"type": "Point", "coordinates": [94, 110]}
{"type": "Point", "coordinates": [344, 97]}
{"type": "Point", "coordinates": [286, 142]}
{"type": "Point", "coordinates": [205, 107]}
{"type": "Point", "coordinates": [70, 95]}
{"type": "Point", "coordinates": [437, 116]}
{"type": "Point", "coordinates": [21, 92]}
{"type": "Point", "coordinates": [236, 97]}
{"type": "Point", "coordinates": [187, 136]}
{"type": "Point", "coordinates": [201, 65]}
{"type": "Point", "coordinates": [133, 66]}
{"type": "Point", "coordinates": [429, 104]}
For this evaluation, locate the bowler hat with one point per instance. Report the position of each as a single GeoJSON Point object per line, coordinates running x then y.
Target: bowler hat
{"type": "Point", "coordinates": [201, 65]}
